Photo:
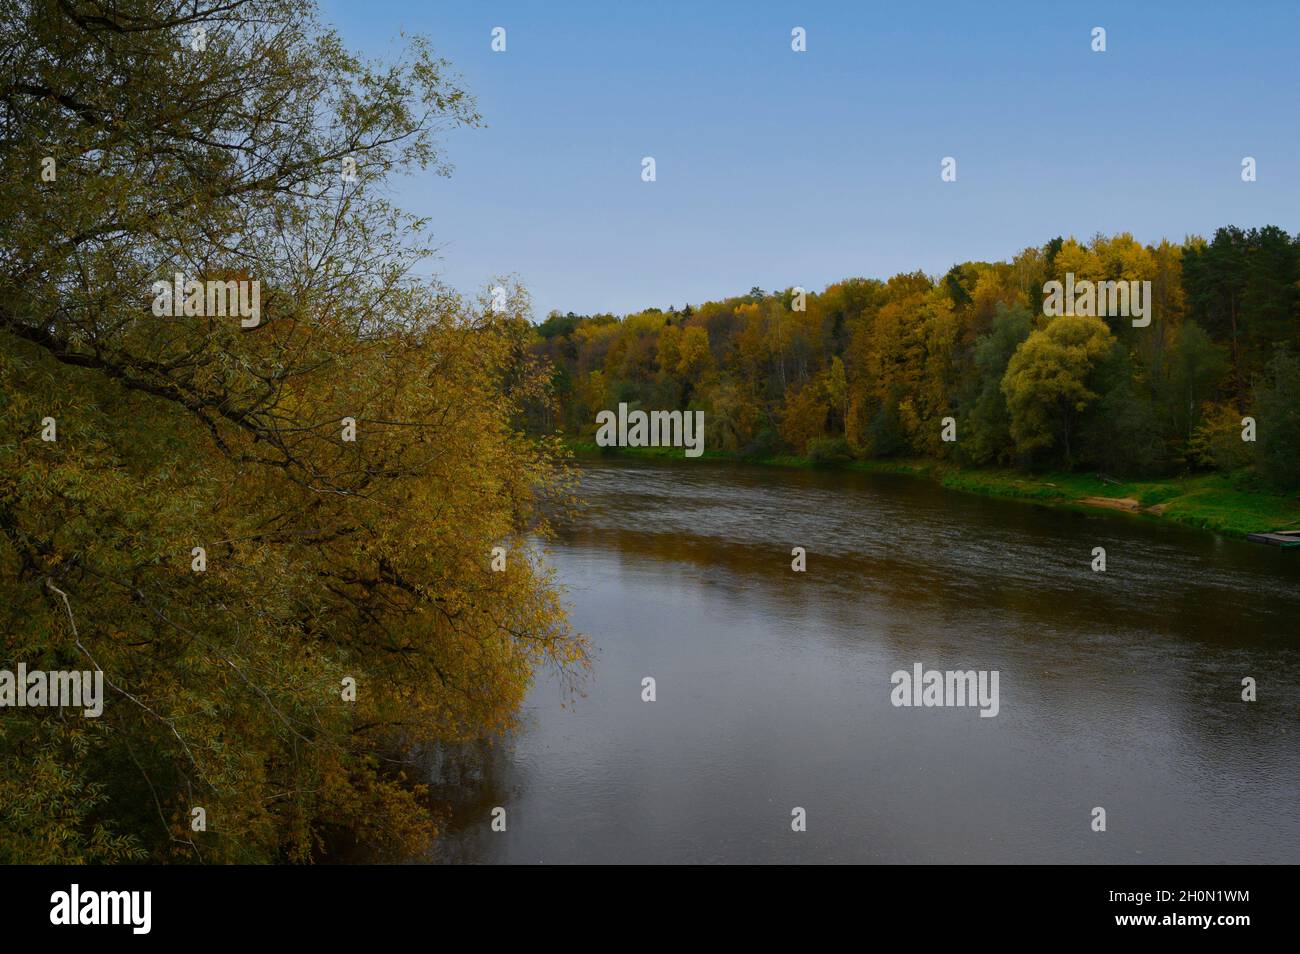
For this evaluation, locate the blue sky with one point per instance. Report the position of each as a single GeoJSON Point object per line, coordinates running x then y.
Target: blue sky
{"type": "Point", "coordinates": [777, 168]}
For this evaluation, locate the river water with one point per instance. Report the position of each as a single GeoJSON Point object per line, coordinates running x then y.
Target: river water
{"type": "Point", "coordinates": [1120, 689]}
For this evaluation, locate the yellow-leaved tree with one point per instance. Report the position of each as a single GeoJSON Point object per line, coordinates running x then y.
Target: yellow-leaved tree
{"type": "Point", "coordinates": [1047, 383]}
{"type": "Point", "coordinates": [273, 533]}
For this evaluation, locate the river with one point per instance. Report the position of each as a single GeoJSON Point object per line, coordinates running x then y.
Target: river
{"type": "Point", "coordinates": [1119, 689]}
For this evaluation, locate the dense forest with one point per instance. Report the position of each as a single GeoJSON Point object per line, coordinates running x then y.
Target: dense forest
{"type": "Point", "coordinates": [870, 368]}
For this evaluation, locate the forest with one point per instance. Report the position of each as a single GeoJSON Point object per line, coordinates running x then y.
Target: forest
{"type": "Point", "coordinates": [870, 369]}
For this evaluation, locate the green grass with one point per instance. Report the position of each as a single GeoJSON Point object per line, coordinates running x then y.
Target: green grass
{"type": "Point", "coordinates": [1232, 504]}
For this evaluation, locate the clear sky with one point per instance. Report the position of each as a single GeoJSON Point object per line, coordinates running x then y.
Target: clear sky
{"type": "Point", "coordinates": [777, 168]}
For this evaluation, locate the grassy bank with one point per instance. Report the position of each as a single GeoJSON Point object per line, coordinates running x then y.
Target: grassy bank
{"type": "Point", "coordinates": [1232, 504]}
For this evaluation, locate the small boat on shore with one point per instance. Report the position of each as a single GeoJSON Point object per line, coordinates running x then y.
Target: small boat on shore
{"type": "Point", "coordinates": [1277, 538]}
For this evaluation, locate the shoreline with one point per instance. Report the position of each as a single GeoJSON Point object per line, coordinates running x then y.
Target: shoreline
{"type": "Point", "coordinates": [1229, 504]}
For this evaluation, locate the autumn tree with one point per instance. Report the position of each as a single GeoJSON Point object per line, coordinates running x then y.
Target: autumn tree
{"type": "Point", "coordinates": [1047, 381]}
{"type": "Point", "coordinates": [274, 539]}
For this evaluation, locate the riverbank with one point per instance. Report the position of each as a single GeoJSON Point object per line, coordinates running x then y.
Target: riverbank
{"type": "Point", "coordinates": [1231, 504]}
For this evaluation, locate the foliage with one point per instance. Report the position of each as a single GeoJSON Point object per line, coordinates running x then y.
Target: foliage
{"type": "Point", "coordinates": [1278, 403]}
{"type": "Point", "coordinates": [882, 363]}
{"type": "Point", "coordinates": [326, 559]}
{"type": "Point", "coordinates": [1047, 381]}
{"type": "Point", "coordinates": [829, 451]}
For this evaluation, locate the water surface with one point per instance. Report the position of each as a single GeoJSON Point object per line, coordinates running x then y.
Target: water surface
{"type": "Point", "coordinates": [1119, 689]}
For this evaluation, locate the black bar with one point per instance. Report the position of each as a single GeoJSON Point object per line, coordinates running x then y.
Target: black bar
{"type": "Point", "coordinates": [333, 903]}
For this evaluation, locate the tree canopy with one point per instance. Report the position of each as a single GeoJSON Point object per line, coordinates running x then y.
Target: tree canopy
{"type": "Point", "coordinates": [234, 523]}
{"type": "Point", "coordinates": [879, 365]}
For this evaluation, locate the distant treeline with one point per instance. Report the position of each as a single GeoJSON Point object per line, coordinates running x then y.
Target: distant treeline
{"type": "Point", "coordinates": [870, 368]}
